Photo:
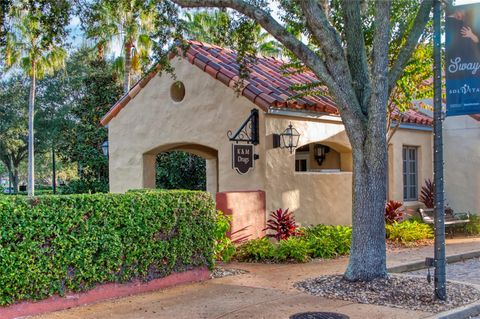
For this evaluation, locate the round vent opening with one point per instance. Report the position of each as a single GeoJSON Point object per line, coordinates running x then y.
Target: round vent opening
{"type": "Point", "coordinates": [177, 91]}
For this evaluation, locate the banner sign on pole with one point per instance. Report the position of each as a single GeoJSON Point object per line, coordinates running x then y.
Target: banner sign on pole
{"type": "Point", "coordinates": [462, 65]}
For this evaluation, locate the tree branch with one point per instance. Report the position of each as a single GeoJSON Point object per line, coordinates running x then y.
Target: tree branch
{"type": "Point", "coordinates": [377, 111]}
{"type": "Point", "coordinates": [335, 61]}
{"type": "Point", "coordinates": [356, 52]}
{"type": "Point", "coordinates": [337, 82]}
{"type": "Point", "coordinates": [421, 19]}
{"type": "Point", "coordinates": [305, 54]}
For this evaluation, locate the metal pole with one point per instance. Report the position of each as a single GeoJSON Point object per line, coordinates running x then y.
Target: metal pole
{"type": "Point", "coordinates": [54, 173]}
{"type": "Point", "coordinates": [439, 253]}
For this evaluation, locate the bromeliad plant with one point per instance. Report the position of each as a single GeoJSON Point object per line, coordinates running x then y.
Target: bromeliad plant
{"type": "Point", "coordinates": [281, 225]}
{"type": "Point", "coordinates": [393, 212]}
{"type": "Point", "coordinates": [427, 194]}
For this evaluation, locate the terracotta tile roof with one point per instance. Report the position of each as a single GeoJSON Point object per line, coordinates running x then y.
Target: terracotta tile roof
{"type": "Point", "coordinates": [267, 86]}
{"type": "Point", "coordinates": [416, 117]}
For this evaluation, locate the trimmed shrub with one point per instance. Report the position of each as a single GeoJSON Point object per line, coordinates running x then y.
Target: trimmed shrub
{"type": "Point", "coordinates": [37, 192]}
{"type": "Point", "coordinates": [408, 231]}
{"type": "Point", "coordinates": [54, 244]}
{"type": "Point", "coordinates": [83, 186]}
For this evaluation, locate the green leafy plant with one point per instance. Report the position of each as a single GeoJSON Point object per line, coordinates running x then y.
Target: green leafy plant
{"type": "Point", "coordinates": [281, 225]}
{"type": "Point", "coordinates": [55, 244]}
{"type": "Point", "coordinates": [408, 232]}
{"type": "Point", "coordinates": [473, 226]}
{"type": "Point", "coordinates": [224, 247]}
{"type": "Point", "coordinates": [256, 250]}
{"type": "Point", "coordinates": [328, 241]}
{"type": "Point", "coordinates": [181, 170]}
{"type": "Point", "coordinates": [427, 194]}
{"type": "Point", "coordinates": [393, 212]}
{"type": "Point", "coordinates": [293, 248]}
{"type": "Point", "coordinates": [312, 242]}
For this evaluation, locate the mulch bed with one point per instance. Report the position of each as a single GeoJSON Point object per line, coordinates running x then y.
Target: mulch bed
{"type": "Point", "coordinates": [398, 291]}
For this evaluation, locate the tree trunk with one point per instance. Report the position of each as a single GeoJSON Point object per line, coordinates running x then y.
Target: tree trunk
{"type": "Point", "coordinates": [368, 251]}
{"type": "Point", "coordinates": [12, 174]}
{"type": "Point", "coordinates": [31, 116]}
{"type": "Point", "coordinates": [128, 66]}
{"type": "Point", "coordinates": [54, 172]}
{"type": "Point", "coordinates": [15, 179]}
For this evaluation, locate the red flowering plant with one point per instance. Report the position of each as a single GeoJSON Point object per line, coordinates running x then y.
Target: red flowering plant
{"type": "Point", "coordinates": [282, 225]}
{"type": "Point", "coordinates": [427, 195]}
{"type": "Point", "coordinates": [393, 211]}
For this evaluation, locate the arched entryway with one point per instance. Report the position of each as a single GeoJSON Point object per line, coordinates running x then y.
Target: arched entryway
{"type": "Point", "coordinates": [209, 154]}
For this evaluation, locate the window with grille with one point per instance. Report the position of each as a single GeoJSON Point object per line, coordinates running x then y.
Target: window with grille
{"type": "Point", "coordinates": [410, 173]}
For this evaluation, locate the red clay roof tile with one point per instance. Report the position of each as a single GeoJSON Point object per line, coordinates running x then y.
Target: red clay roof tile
{"type": "Point", "coordinates": [269, 84]}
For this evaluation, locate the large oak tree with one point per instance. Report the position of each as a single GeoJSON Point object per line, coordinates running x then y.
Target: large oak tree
{"type": "Point", "coordinates": [358, 52]}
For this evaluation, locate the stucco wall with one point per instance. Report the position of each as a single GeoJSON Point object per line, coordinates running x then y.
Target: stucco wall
{"type": "Point", "coordinates": [462, 163]}
{"type": "Point", "coordinates": [407, 137]}
{"type": "Point", "coordinates": [152, 123]}
{"type": "Point", "coordinates": [315, 197]}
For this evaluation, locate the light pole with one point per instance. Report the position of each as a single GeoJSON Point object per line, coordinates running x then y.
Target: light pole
{"type": "Point", "coordinates": [439, 253]}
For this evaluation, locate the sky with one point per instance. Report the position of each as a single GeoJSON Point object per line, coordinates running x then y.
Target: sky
{"type": "Point", "coordinates": [462, 2]}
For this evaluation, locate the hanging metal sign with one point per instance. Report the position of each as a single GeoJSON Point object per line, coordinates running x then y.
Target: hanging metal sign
{"type": "Point", "coordinates": [462, 52]}
{"type": "Point", "coordinates": [243, 157]}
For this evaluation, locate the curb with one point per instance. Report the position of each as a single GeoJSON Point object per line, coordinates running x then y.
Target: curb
{"type": "Point", "coordinates": [100, 293]}
{"type": "Point", "coordinates": [421, 264]}
{"type": "Point", "coordinates": [464, 312]}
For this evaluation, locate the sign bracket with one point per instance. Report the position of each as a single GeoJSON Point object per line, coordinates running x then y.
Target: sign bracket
{"type": "Point", "coordinates": [248, 131]}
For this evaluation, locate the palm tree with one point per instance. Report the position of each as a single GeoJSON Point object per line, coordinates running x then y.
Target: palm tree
{"type": "Point", "coordinates": [213, 27]}
{"type": "Point", "coordinates": [127, 22]}
{"type": "Point", "coordinates": [25, 48]}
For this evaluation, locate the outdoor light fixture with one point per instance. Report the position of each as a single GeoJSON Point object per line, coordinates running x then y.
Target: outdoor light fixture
{"type": "Point", "coordinates": [320, 153]}
{"type": "Point", "coordinates": [288, 139]}
{"type": "Point", "coordinates": [105, 148]}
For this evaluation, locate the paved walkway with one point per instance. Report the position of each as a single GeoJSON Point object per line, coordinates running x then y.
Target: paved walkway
{"type": "Point", "coordinates": [265, 292]}
{"type": "Point", "coordinates": [467, 271]}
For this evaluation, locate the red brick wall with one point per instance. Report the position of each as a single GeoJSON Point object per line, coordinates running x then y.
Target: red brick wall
{"type": "Point", "coordinates": [247, 209]}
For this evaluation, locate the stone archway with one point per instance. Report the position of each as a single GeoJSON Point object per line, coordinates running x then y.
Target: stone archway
{"type": "Point", "coordinates": [208, 153]}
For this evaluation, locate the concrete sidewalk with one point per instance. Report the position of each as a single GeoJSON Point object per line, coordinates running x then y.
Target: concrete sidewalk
{"type": "Point", "coordinates": [265, 292]}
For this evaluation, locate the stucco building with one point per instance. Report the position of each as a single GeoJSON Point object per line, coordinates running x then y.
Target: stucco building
{"type": "Point", "coordinates": [196, 112]}
{"type": "Point", "coordinates": [462, 159]}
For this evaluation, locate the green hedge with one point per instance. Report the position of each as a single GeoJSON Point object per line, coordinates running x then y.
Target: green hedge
{"type": "Point", "coordinates": [56, 244]}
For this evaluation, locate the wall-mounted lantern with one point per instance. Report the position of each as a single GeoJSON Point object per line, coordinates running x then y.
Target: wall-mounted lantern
{"type": "Point", "coordinates": [288, 139]}
{"type": "Point", "coordinates": [320, 153]}
{"type": "Point", "coordinates": [105, 148]}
